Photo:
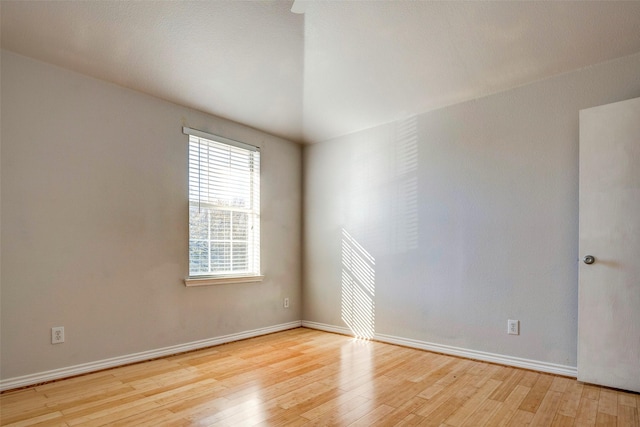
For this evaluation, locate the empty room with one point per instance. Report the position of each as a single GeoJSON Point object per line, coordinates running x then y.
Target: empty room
{"type": "Point", "coordinates": [306, 212]}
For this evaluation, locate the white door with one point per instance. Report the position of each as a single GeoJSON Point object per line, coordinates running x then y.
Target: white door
{"type": "Point", "coordinates": [609, 288]}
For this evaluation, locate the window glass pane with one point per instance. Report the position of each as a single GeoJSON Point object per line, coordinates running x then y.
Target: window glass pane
{"type": "Point", "coordinates": [198, 223]}
{"type": "Point", "coordinates": [198, 256]}
{"type": "Point", "coordinates": [240, 257]}
{"type": "Point", "coordinates": [220, 225]}
{"type": "Point", "coordinates": [221, 257]}
{"type": "Point", "coordinates": [240, 224]}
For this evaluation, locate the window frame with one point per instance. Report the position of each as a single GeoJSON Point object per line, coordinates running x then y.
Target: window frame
{"type": "Point", "coordinates": [224, 277]}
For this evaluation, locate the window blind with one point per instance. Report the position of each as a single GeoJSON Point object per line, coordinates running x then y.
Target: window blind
{"type": "Point", "coordinates": [224, 208]}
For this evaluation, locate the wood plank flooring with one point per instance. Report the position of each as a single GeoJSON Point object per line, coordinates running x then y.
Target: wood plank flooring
{"type": "Point", "coordinates": [312, 378]}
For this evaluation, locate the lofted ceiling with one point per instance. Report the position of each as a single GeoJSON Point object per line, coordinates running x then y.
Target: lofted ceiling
{"type": "Point", "coordinates": [340, 67]}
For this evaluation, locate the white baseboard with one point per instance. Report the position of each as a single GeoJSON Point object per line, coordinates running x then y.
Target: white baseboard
{"type": "Point", "coordinates": [40, 377]}
{"type": "Point", "coordinates": [552, 368]}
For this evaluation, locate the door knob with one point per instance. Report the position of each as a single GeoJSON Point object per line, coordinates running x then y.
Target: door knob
{"type": "Point", "coordinates": [589, 259]}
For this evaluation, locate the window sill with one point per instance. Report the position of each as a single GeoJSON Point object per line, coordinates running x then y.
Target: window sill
{"type": "Point", "coordinates": [209, 281]}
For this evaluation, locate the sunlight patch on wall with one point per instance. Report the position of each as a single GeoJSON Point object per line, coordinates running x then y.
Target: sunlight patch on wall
{"type": "Point", "coordinates": [405, 197]}
{"type": "Point", "coordinates": [358, 287]}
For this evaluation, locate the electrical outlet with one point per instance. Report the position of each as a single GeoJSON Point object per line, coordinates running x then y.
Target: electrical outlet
{"type": "Point", "coordinates": [286, 303]}
{"type": "Point", "coordinates": [57, 335]}
{"type": "Point", "coordinates": [513, 327]}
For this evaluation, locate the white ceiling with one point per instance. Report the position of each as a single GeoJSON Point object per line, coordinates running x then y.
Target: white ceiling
{"type": "Point", "coordinates": [340, 67]}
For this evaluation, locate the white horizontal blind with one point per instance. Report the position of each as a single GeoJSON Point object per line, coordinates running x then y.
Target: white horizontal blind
{"type": "Point", "coordinates": [224, 209]}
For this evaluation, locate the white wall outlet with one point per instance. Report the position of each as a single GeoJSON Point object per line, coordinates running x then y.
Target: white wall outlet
{"type": "Point", "coordinates": [286, 303]}
{"type": "Point", "coordinates": [513, 327]}
{"type": "Point", "coordinates": [57, 335]}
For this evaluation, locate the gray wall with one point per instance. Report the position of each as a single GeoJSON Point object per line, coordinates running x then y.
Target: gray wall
{"type": "Point", "coordinates": [460, 218]}
{"type": "Point", "coordinates": [464, 216]}
{"type": "Point", "coordinates": [95, 224]}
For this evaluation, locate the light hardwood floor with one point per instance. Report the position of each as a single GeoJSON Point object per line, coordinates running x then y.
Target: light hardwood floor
{"type": "Point", "coordinates": [307, 377]}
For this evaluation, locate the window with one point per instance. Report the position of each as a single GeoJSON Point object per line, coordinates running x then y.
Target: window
{"type": "Point", "coordinates": [224, 210]}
